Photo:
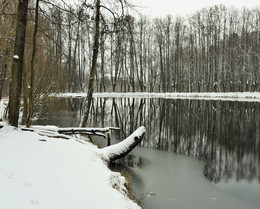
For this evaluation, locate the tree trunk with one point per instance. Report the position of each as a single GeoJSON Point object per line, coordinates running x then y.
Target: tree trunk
{"type": "Point", "coordinates": [93, 67]}
{"type": "Point", "coordinates": [17, 63]}
{"type": "Point", "coordinates": [32, 67]}
{"type": "Point", "coordinates": [25, 95]}
{"type": "Point", "coordinates": [3, 72]}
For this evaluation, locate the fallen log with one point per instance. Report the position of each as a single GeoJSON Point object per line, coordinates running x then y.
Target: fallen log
{"type": "Point", "coordinates": [56, 131]}
{"type": "Point", "coordinates": [110, 153]}
{"type": "Point", "coordinates": [48, 133]}
{"type": "Point", "coordinates": [104, 132]}
{"type": "Point", "coordinates": [121, 149]}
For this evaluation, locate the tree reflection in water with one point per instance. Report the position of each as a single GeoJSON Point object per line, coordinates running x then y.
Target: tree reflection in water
{"type": "Point", "coordinates": [225, 134]}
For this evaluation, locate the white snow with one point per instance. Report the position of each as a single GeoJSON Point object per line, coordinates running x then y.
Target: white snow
{"type": "Point", "coordinates": [16, 57]}
{"type": "Point", "coordinates": [3, 105]}
{"type": "Point", "coordinates": [41, 172]}
{"type": "Point", "coordinates": [229, 96]}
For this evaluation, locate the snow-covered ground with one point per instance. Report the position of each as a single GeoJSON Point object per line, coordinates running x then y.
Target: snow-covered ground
{"type": "Point", "coordinates": [41, 172]}
{"type": "Point", "coordinates": [229, 96]}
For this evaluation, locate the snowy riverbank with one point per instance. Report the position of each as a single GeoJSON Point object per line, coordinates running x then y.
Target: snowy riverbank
{"type": "Point", "coordinates": [229, 96]}
{"type": "Point", "coordinates": [41, 172]}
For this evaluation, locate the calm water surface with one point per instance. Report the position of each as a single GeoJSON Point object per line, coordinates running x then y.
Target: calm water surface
{"type": "Point", "coordinates": [196, 154]}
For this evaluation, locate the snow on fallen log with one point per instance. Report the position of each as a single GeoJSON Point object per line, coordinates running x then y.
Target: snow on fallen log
{"type": "Point", "coordinates": [70, 130]}
{"type": "Point", "coordinates": [54, 131]}
{"type": "Point", "coordinates": [121, 149]}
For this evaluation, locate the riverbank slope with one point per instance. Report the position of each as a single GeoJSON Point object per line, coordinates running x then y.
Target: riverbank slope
{"type": "Point", "coordinates": [41, 172]}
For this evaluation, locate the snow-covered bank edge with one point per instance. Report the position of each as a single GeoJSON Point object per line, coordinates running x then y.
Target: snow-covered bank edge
{"type": "Point", "coordinates": [38, 171]}
{"type": "Point", "coordinates": [225, 96]}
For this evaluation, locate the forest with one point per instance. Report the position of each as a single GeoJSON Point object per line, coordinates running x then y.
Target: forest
{"type": "Point", "coordinates": [216, 49]}
{"type": "Point", "coordinates": [48, 47]}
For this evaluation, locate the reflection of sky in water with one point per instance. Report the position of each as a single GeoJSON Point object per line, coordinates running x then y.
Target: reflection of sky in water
{"type": "Point", "coordinates": [171, 180]}
{"type": "Point", "coordinates": [224, 135]}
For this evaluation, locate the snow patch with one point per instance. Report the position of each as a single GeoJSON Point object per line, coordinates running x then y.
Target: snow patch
{"type": "Point", "coordinates": [118, 182]}
{"type": "Point", "coordinates": [16, 57]}
{"type": "Point", "coordinates": [3, 105]}
{"type": "Point", "coordinates": [42, 172]}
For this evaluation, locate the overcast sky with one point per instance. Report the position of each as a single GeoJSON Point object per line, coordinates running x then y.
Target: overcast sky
{"type": "Point", "coordinates": [161, 8]}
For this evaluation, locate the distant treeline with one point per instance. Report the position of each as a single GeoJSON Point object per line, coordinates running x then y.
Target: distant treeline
{"type": "Point", "coordinates": [216, 49]}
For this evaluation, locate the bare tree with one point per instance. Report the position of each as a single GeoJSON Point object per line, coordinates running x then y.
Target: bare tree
{"type": "Point", "coordinates": [94, 66]}
{"type": "Point", "coordinates": [31, 90]}
{"type": "Point", "coordinates": [118, 17]}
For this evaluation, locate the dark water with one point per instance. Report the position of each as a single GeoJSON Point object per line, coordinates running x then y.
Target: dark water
{"type": "Point", "coordinates": [196, 154]}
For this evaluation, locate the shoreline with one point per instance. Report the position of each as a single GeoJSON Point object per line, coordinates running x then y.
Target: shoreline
{"type": "Point", "coordinates": [225, 96]}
